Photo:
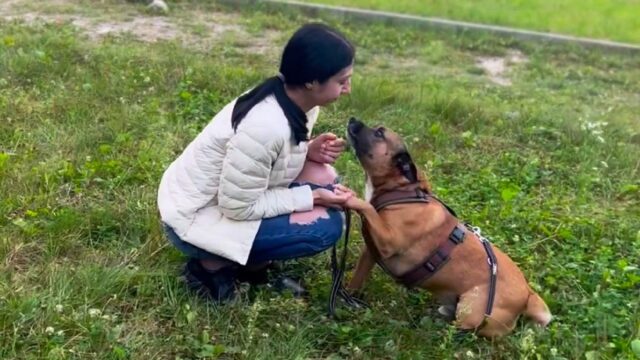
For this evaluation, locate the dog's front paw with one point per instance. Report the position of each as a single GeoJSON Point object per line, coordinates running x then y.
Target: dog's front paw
{"type": "Point", "coordinates": [356, 204]}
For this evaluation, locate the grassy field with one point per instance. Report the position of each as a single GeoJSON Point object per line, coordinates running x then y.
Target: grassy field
{"type": "Point", "coordinates": [548, 166]}
{"type": "Point", "coordinates": [613, 20]}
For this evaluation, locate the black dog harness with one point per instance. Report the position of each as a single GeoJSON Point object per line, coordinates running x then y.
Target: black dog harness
{"type": "Point", "coordinates": [441, 255]}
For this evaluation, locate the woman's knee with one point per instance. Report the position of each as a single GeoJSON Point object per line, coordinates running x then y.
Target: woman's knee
{"type": "Point", "coordinates": [332, 229]}
{"type": "Point", "coordinates": [323, 233]}
{"type": "Point", "coordinates": [316, 173]}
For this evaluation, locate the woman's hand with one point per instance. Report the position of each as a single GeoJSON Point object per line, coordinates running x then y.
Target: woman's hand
{"type": "Point", "coordinates": [325, 148]}
{"type": "Point", "coordinates": [335, 199]}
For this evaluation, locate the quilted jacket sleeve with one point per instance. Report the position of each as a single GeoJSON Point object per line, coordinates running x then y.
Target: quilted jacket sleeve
{"type": "Point", "coordinates": [243, 193]}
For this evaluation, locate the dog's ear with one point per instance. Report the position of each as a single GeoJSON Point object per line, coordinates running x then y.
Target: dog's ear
{"type": "Point", "coordinates": [406, 166]}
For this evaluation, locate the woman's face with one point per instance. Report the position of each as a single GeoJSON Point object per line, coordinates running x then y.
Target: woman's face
{"type": "Point", "coordinates": [337, 85]}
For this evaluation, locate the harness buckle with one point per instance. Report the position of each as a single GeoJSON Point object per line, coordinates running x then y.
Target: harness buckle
{"type": "Point", "coordinates": [457, 235]}
{"type": "Point", "coordinates": [421, 194]}
{"type": "Point", "coordinates": [430, 266]}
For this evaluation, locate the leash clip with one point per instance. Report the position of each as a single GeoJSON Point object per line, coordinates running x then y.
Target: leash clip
{"type": "Point", "coordinates": [476, 230]}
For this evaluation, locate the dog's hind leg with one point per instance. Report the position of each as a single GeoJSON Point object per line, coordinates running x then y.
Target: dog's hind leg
{"type": "Point", "coordinates": [470, 314]}
{"type": "Point", "coordinates": [537, 310]}
{"type": "Point", "coordinates": [470, 309]}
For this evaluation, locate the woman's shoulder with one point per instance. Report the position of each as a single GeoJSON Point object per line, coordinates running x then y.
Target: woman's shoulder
{"type": "Point", "coordinates": [267, 118]}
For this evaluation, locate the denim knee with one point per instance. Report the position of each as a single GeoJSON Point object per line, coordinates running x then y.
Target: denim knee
{"type": "Point", "coordinates": [332, 230]}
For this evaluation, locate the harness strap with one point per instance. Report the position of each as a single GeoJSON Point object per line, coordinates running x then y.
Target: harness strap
{"type": "Point", "coordinates": [435, 260]}
{"type": "Point", "coordinates": [493, 271]}
{"type": "Point", "coordinates": [449, 209]}
{"type": "Point", "coordinates": [400, 197]}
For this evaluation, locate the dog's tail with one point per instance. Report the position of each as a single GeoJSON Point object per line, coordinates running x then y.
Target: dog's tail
{"type": "Point", "coordinates": [537, 309]}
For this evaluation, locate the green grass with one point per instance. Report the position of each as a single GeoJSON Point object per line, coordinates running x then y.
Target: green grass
{"type": "Point", "coordinates": [548, 167]}
{"type": "Point", "coordinates": [612, 20]}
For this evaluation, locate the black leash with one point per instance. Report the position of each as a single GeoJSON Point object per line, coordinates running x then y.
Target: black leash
{"type": "Point", "coordinates": [337, 273]}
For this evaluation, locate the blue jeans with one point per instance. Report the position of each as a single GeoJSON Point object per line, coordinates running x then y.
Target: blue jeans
{"type": "Point", "coordinates": [278, 239]}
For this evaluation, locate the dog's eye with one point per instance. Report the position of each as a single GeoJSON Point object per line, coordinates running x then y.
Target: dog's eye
{"type": "Point", "coordinates": [379, 133]}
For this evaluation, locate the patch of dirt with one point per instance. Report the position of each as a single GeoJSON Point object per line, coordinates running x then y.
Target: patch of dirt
{"type": "Point", "coordinates": [7, 5]}
{"type": "Point", "coordinates": [198, 29]}
{"type": "Point", "coordinates": [497, 68]}
{"type": "Point", "coordinates": [148, 29]}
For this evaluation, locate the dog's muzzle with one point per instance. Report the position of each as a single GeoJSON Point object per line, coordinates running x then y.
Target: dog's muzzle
{"type": "Point", "coordinates": [354, 127]}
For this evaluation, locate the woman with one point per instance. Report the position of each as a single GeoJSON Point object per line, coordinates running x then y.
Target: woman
{"type": "Point", "coordinates": [251, 187]}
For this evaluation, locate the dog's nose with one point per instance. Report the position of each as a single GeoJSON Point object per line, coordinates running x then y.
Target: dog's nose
{"type": "Point", "coordinates": [355, 126]}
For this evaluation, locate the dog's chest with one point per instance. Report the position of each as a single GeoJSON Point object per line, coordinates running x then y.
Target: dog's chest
{"type": "Point", "coordinates": [368, 190]}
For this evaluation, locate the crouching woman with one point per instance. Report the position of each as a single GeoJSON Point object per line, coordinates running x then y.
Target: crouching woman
{"type": "Point", "coordinates": [252, 188]}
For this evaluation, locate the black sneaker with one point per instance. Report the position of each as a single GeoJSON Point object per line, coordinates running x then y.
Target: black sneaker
{"type": "Point", "coordinates": [219, 286]}
{"type": "Point", "coordinates": [253, 277]}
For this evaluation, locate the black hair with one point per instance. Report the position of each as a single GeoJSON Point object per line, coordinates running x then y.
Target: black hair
{"type": "Point", "coordinates": [315, 52]}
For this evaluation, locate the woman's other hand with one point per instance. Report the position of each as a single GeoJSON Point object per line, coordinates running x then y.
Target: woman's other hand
{"type": "Point", "coordinates": [325, 148]}
{"type": "Point", "coordinates": [335, 199]}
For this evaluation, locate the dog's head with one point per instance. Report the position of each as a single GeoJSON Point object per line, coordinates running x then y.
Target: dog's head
{"type": "Point", "coordinates": [383, 154]}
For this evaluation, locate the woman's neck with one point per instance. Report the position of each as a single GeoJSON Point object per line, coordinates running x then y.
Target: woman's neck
{"type": "Point", "coordinates": [299, 97]}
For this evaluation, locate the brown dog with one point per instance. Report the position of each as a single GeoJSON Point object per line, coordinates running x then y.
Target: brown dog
{"type": "Point", "coordinates": [405, 235]}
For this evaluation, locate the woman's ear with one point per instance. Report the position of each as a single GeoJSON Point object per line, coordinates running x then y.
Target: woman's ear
{"type": "Point", "coordinates": [311, 85]}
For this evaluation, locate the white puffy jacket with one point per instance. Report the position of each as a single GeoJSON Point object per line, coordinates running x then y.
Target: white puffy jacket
{"type": "Point", "coordinates": [216, 192]}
